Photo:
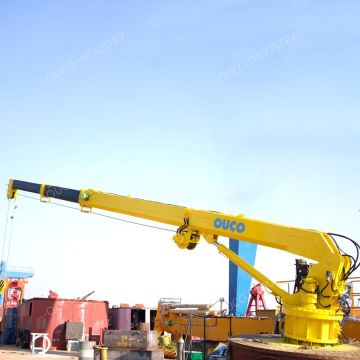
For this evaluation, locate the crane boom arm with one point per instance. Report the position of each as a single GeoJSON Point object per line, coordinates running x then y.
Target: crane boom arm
{"type": "Point", "coordinates": [307, 243]}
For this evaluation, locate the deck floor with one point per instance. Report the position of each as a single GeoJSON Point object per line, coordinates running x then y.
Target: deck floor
{"type": "Point", "coordinates": [8, 352]}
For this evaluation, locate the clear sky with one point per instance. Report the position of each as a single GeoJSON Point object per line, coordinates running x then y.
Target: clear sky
{"type": "Point", "coordinates": [237, 106]}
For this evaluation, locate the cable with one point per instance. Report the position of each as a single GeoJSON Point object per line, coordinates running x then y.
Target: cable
{"type": "Point", "coordinates": [355, 261]}
{"type": "Point", "coordinates": [52, 203]}
{"type": "Point", "coordinates": [324, 306]}
{"type": "Point", "coordinates": [332, 283]}
{"type": "Point", "coordinates": [321, 292]}
{"type": "Point", "coordinates": [309, 292]}
{"type": "Point", "coordinates": [348, 309]}
{"type": "Point", "coordinates": [5, 232]}
{"type": "Point", "coordinates": [104, 215]}
{"type": "Point", "coordinates": [134, 222]}
{"type": "Point", "coordinates": [11, 231]}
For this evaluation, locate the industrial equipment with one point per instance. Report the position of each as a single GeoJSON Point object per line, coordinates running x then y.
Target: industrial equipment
{"type": "Point", "coordinates": [2, 286]}
{"type": "Point", "coordinates": [12, 279]}
{"type": "Point", "coordinates": [257, 300]}
{"type": "Point", "coordinates": [320, 301]}
{"type": "Point", "coordinates": [62, 320]}
{"type": "Point", "coordinates": [12, 289]}
{"type": "Point", "coordinates": [86, 296]}
{"type": "Point", "coordinates": [204, 323]}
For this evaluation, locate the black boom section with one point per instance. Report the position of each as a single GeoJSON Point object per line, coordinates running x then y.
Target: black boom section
{"type": "Point", "coordinates": [56, 192]}
{"type": "Point", "coordinates": [26, 186]}
{"type": "Point", "coordinates": [62, 193]}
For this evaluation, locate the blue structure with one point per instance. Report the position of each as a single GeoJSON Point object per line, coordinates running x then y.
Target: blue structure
{"type": "Point", "coordinates": [239, 280]}
{"type": "Point", "coordinates": [14, 273]}
{"type": "Point", "coordinates": [9, 335]}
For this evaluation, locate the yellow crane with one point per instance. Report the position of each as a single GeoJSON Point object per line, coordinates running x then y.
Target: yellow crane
{"type": "Point", "coordinates": [314, 311]}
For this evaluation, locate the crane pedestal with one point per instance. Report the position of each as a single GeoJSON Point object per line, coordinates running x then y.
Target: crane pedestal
{"type": "Point", "coordinates": [269, 346]}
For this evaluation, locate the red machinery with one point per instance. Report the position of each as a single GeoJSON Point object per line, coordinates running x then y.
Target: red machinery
{"type": "Point", "coordinates": [257, 299]}
{"type": "Point", "coordinates": [15, 279]}
{"type": "Point", "coordinates": [13, 294]}
{"type": "Point", "coordinates": [51, 316]}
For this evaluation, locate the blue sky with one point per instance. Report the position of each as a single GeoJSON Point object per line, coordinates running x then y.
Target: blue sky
{"type": "Point", "coordinates": [238, 106]}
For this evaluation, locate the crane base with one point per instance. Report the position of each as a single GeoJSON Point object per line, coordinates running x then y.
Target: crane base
{"type": "Point", "coordinates": [313, 326]}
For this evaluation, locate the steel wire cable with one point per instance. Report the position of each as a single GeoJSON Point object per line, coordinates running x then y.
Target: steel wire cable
{"type": "Point", "coordinates": [105, 215]}
{"type": "Point", "coordinates": [5, 231]}
{"type": "Point", "coordinates": [11, 232]}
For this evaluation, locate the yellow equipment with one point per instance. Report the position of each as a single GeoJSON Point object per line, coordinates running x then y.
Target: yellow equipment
{"type": "Point", "coordinates": [2, 286]}
{"type": "Point", "coordinates": [313, 312]}
{"type": "Point", "coordinates": [214, 326]}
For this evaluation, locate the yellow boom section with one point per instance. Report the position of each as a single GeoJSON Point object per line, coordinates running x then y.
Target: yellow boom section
{"type": "Point", "coordinates": [307, 243]}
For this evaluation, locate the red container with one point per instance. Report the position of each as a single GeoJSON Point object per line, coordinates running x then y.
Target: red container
{"type": "Point", "coordinates": [43, 315]}
{"type": "Point", "coordinates": [120, 318]}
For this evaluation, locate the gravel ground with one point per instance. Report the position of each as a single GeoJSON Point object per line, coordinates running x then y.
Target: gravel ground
{"type": "Point", "coordinates": [14, 353]}
{"type": "Point", "coordinates": [9, 352]}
